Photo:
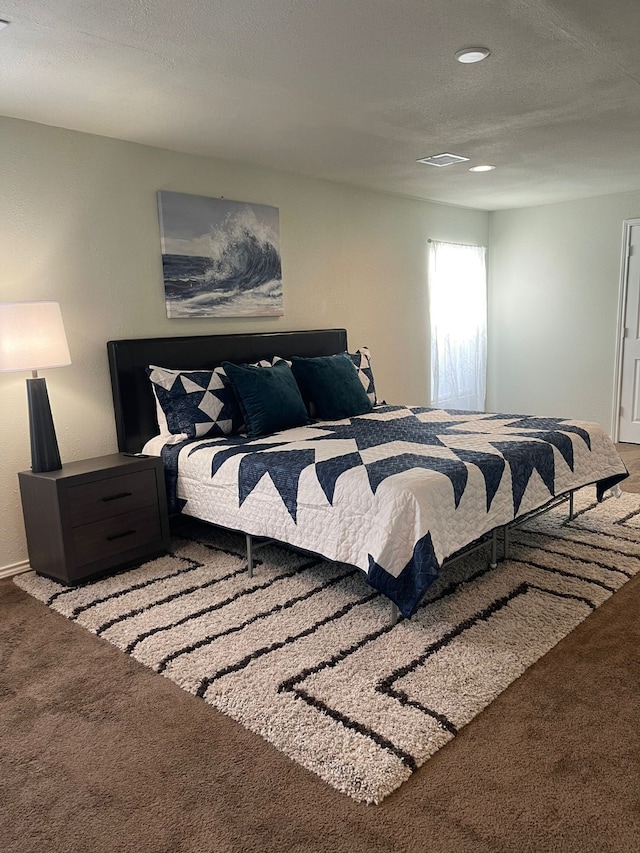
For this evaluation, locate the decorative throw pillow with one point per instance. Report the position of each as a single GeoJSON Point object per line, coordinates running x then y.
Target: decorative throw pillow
{"type": "Point", "coordinates": [194, 403]}
{"type": "Point", "coordinates": [269, 400]}
{"type": "Point", "coordinates": [362, 361]}
{"type": "Point", "coordinates": [332, 384]}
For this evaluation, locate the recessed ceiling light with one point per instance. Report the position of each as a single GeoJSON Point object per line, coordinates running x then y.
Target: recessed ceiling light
{"type": "Point", "coordinates": [472, 54]}
{"type": "Point", "coordinates": [443, 159]}
{"type": "Point", "coordinates": [3, 24]}
{"type": "Point", "coordinates": [481, 168]}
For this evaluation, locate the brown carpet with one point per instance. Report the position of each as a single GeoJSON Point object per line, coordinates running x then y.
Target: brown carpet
{"type": "Point", "coordinates": [99, 754]}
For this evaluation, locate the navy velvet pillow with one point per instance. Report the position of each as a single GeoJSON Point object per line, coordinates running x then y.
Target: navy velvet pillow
{"type": "Point", "coordinates": [269, 398]}
{"type": "Point", "coordinates": [332, 384]}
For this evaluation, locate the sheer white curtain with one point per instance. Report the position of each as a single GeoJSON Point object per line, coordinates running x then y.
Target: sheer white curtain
{"type": "Point", "coordinates": [458, 312]}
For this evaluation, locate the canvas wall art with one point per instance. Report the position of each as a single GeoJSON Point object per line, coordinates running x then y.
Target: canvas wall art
{"type": "Point", "coordinates": [220, 258]}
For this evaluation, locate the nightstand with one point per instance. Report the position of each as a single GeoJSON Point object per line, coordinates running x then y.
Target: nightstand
{"type": "Point", "coordinates": [94, 516]}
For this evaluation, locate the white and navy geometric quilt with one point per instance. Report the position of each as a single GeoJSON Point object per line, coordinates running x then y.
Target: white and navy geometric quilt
{"type": "Point", "coordinates": [394, 492]}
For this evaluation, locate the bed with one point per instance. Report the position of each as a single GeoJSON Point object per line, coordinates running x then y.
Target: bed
{"type": "Point", "coordinates": [394, 490]}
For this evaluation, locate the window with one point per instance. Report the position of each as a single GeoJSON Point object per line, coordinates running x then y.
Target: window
{"type": "Point", "coordinates": [458, 315]}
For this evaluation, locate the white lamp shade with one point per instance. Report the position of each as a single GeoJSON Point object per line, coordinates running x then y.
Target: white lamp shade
{"type": "Point", "coordinates": [32, 336]}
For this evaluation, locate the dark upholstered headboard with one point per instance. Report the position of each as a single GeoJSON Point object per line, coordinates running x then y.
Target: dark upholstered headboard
{"type": "Point", "coordinates": [133, 399]}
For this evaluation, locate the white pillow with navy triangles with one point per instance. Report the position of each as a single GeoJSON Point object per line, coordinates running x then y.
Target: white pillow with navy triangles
{"type": "Point", "coordinates": [362, 360]}
{"type": "Point", "coordinates": [194, 403]}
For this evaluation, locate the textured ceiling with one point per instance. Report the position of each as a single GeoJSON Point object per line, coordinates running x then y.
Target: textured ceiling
{"type": "Point", "coordinates": [348, 90]}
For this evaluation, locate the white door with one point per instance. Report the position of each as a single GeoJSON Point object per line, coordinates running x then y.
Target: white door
{"type": "Point", "coordinates": [629, 421]}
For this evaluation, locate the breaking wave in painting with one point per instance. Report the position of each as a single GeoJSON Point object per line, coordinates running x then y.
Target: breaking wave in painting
{"type": "Point", "coordinates": [242, 275]}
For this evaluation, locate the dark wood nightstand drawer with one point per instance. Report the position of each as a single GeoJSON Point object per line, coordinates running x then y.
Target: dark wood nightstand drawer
{"type": "Point", "coordinates": [106, 498]}
{"type": "Point", "coordinates": [111, 536]}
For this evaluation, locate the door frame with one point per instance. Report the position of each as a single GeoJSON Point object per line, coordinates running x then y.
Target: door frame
{"type": "Point", "coordinates": [627, 225]}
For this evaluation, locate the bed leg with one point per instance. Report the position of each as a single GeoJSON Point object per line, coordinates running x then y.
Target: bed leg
{"type": "Point", "coordinates": [570, 506]}
{"type": "Point", "coordinates": [506, 543]}
{"type": "Point", "coordinates": [249, 543]}
{"type": "Point", "coordinates": [395, 613]}
{"type": "Point", "coordinates": [494, 549]}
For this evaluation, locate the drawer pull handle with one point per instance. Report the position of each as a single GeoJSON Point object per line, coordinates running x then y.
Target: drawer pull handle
{"type": "Point", "coordinates": [118, 496]}
{"type": "Point", "coordinates": [120, 535]}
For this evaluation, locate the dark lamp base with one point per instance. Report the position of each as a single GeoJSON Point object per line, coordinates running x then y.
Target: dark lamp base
{"type": "Point", "coordinates": [44, 444]}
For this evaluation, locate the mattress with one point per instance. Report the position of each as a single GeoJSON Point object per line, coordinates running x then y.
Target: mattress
{"type": "Point", "coordinates": [394, 492]}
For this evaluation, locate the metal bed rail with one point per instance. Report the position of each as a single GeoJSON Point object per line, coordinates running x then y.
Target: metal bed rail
{"type": "Point", "coordinates": [253, 544]}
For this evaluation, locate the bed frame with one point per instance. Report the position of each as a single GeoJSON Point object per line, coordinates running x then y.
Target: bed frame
{"type": "Point", "coordinates": [135, 408]}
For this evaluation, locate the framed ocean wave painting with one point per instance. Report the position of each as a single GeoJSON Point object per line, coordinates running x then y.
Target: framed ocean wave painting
{"type": "Point", "coordinates": [220, 258]}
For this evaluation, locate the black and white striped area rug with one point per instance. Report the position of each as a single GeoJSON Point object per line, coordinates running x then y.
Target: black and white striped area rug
{"type": "Point", "coordinates": [304, 654]}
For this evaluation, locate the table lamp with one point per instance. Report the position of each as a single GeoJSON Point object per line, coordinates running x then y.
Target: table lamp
{"type": "Point", "coordinates": [32, 338]}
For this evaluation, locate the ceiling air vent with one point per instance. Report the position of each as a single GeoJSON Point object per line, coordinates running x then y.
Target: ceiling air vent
{"type": "Point", "coordinates": [443, 159]}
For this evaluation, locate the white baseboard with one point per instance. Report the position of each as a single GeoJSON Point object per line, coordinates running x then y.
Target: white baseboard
{"type": "Point", "coordinates": [14, 569]}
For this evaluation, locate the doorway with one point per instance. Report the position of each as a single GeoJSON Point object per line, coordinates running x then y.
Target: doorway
{"type": "Point", "coordinates": [626, 410]}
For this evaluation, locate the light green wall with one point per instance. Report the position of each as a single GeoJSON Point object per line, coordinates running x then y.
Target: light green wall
{"type": "Point", "coordinates": [79, 225]}
{"type": "Point", "coordinates": [553, 306]}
